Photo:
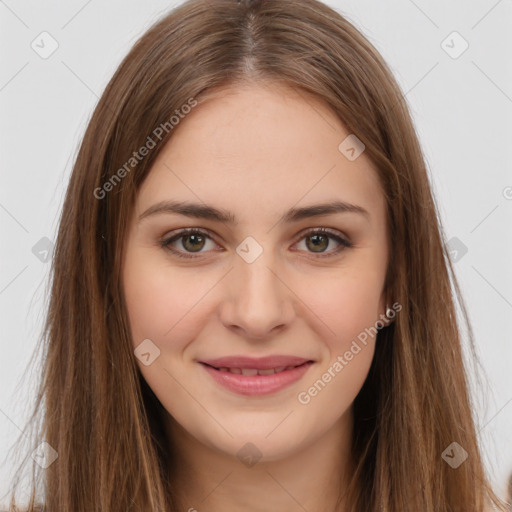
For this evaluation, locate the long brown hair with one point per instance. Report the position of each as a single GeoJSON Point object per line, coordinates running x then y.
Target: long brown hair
{"type": "Point", "coordinates": [96, 410]}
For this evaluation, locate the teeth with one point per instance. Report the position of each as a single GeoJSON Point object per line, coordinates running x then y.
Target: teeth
{"type": "Point", "coordinates": [249, 371]}
{"type": "Point", "coordinates": [269, 371]}
{"type": "Point", "coordinates": [254, 371]}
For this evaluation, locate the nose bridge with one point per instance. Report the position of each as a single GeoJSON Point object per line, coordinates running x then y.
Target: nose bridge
{"type": "Point", "coordinates": [259, 300]}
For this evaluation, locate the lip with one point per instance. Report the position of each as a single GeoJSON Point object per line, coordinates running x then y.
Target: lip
{"type": "Point", "coordinates": [262, 363]}
{"type": "Point", "coordinates": [253, 385]}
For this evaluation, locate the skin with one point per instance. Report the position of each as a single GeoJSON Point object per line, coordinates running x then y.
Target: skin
{"type": "Point", "coordinates": [257, 151]}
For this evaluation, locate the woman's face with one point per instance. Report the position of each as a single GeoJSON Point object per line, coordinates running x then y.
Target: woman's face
{"type": "Point", "coordinates": [259, 283]}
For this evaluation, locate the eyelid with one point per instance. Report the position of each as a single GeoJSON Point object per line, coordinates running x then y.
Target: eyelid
{"type": "Point", "coordinates": [321, 230]}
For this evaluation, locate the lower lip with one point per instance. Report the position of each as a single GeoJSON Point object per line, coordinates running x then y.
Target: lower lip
{"type": "Point", "coordinates": [257, 384]}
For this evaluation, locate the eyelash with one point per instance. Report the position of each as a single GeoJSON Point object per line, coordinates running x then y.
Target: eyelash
{"type": "Point", "coordinates": [195, 231]}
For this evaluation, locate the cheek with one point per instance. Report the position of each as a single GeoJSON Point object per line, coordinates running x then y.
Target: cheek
{"type": "Point", "coordinates": [148, 307]}
{"type": "Point", "coordinates": [160, 304]}
{"type": "Point", "coordinates": [168, 305]}
{"type": "Point", "coordinates": [347, 305]}
{"type": "Point", "coordinates": [151, 301]}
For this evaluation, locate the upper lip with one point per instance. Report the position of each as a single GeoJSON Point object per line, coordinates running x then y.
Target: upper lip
{"type": "Point", "coordinates": [263, 363]}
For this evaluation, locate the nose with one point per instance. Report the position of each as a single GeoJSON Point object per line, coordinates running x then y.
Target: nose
{"type": "Point", "coordinates": [258, 303]}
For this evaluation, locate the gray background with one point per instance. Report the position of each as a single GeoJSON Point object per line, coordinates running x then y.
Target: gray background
{"type": "Point", "coordinates": [462, 109]}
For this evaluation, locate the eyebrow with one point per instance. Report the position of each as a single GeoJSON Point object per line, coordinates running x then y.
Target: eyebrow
{"type": "Point", "coordinates": [204, 211]}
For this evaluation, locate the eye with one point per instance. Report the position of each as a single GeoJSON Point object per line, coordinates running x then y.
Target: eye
{"type": "Point", "coordinates": [317, 240]}
{"type": "Point", "coordinates": [193, 240]}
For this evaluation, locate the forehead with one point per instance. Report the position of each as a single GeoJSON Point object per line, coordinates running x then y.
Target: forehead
{"type": "Point", "coordinates": [260, 147]}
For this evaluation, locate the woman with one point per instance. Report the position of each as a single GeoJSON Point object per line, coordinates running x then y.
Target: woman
{"type": "Point", "coordinates": [251, 303]}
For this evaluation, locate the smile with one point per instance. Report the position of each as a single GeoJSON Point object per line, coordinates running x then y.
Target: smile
{"type": "Point", "coordinates": [253, 381]}
{"type": "Point", "coordinates": [254, 371]}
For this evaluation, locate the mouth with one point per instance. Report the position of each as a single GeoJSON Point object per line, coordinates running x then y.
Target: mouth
{"type": "Point", "coordinates": [250, 381]}
{"type": "Point", "coordinates": [256, 371]}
